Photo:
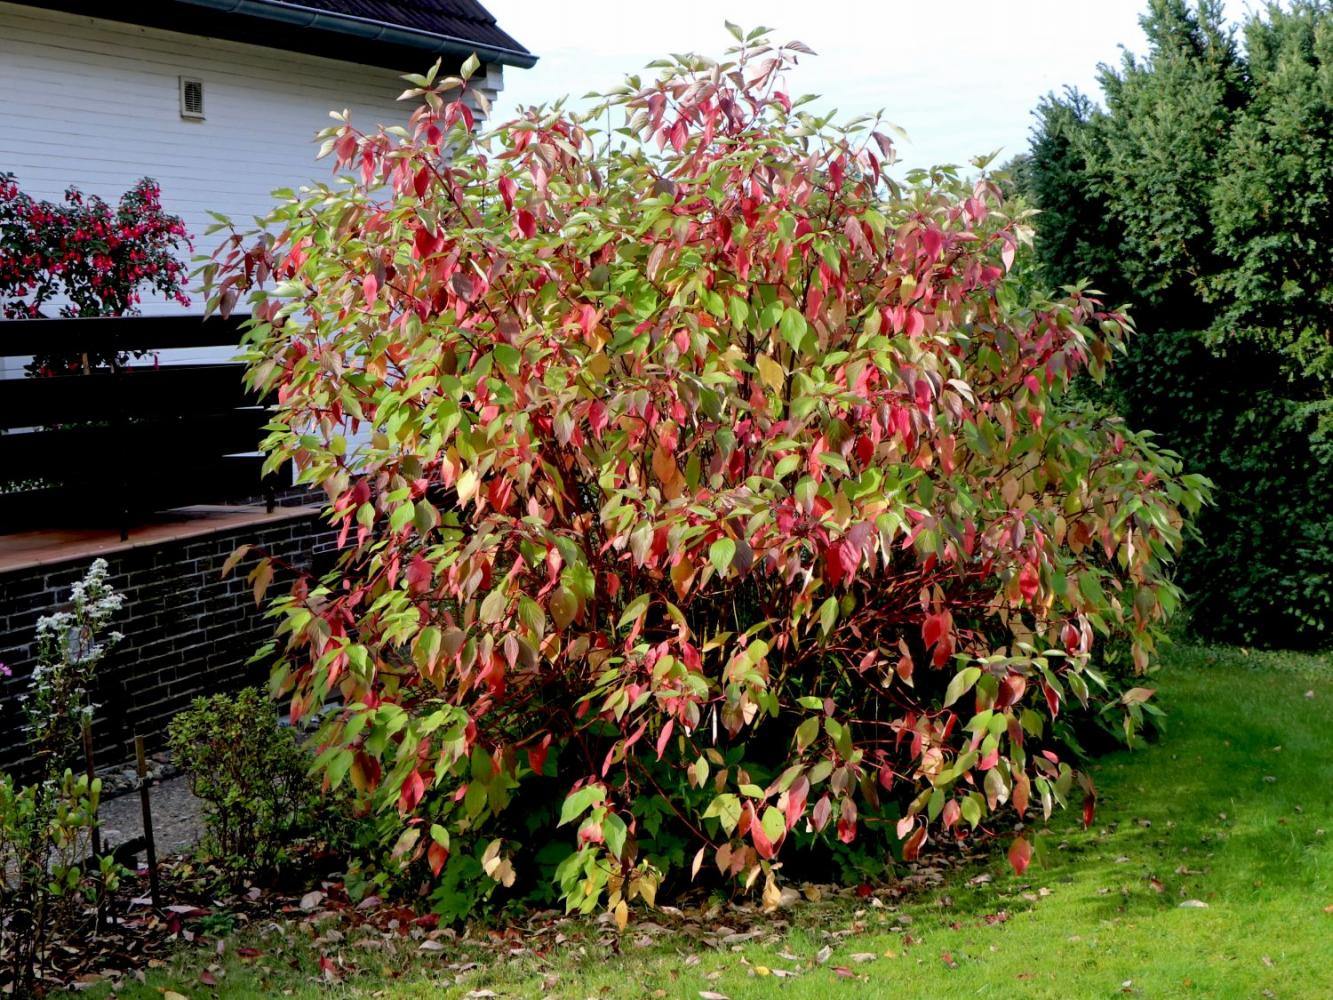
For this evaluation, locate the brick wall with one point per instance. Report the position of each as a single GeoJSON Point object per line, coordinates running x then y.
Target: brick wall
{"type": "Point", "coordinates": [187, 631]}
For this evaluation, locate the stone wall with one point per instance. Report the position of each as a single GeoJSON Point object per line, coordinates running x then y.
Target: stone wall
{"type": "Point", "coordinates": [187, 631]}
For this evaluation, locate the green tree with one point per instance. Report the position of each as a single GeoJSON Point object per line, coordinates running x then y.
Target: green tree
{"type": "Point", "coordinates": [1199, 196]}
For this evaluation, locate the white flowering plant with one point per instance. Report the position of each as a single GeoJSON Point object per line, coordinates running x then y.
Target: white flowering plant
{"type": "Point", "coordinates": [45, 825]}
{"type": "Point", "coordinates": [70, 645]}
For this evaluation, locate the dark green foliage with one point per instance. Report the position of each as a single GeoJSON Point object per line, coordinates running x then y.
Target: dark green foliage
{"type": "Point", "coordinates": [1201, 195]}
{"type": "Point", "coordinates": [252, 776]}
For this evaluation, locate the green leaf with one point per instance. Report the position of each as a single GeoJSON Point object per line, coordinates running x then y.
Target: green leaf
{"type": "Point", "coordinates": [579, 802]}
{"type": "Point", "coordinates": [792, 327]}
{"type": "Point", "coordinates": [739, 311]}
{"type": "Point", "coordinates": [720, 554]}
{"type": "Point", "coordinates": [726, 809]}
{"type": "Point", "coordinates": [564, 607]}
{"type": "Point", "coordinates": [615, 832]}
{"type": "Point", "coordinates": [470, 65]}
{"type": "Point", "coordinates": [494, 606]}
{"type": "Point", "coordinates": [828, 614]}
{"type": "Point", "coordinates": [961, 684]}
{"type": "Point", "coordinates": [338, 767]}
{"type": "Point", "coordinates": [806, 732]}
{"type": "Point", "coordinates": [401, 515]}
{"type": "Point", "coordinates": [774, 824]}
{"type": "Point", "coordinates": [634, 611]}
{"type": "Point", "coordinates": [971, 811]}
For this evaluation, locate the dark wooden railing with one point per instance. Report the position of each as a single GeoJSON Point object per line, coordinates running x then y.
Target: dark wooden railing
{"type": "Point", "coordinates": [110, 445]}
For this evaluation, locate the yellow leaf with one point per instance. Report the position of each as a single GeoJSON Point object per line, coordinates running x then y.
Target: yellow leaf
{"type": "Point", "coordinates": [698, 863]}
{"type": "Point", "coordinates": [667, 472]}
{"type": "Point", "coordinates": [770, 372]}
{"type": "Point", "coordinates": [772, 894]}
{"type": "Point", "coordinates": [261, 577]}
{"type": "Point", "coordinates": [233, 559]}
{"type": "Point", "coordinates": [682, 575]}
{"type": "Point", "coordinates": [621, 914]}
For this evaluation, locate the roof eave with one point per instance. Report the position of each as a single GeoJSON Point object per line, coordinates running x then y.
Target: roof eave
{"type": "Point", "coordinates": [348, 24]}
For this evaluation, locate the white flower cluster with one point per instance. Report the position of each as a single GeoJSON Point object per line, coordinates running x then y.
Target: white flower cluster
{"type": "Point", "coordinates": [70, 644]}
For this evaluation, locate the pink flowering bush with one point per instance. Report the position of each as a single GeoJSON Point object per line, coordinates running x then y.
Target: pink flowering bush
{"type": "Point", "coordinates": [94, 259]}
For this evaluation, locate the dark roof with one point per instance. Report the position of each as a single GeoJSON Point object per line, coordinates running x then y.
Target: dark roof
{"type": "Point", "coordinates": [401, 34]}
{"type": "Point", "coordinates": [464, 20]}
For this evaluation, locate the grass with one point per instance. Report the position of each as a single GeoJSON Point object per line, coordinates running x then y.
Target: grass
{"type": "Point", "coordinates": [1233, 809]}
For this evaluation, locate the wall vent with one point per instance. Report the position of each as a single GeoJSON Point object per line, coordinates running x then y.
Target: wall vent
{"type": "Point", "coordinates": [192, 98]}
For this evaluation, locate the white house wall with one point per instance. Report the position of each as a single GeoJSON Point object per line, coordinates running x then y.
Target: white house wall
{"type": "Point", "coordinates": [94, 104]}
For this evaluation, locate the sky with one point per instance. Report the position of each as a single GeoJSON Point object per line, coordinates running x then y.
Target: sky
{"type": "Point", "coordinates": [960, 77]}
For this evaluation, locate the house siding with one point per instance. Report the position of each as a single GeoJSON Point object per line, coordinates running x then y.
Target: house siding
{"type": "Point", "coordinates": [94, 104]}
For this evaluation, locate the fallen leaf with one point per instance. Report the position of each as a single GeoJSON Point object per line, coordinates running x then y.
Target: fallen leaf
{"type": "Point", "coordinates": [173, 995]}
{"type": "Point", "coordinates": [823, 955]}
{"type": "Point", "coordinates": [709, 995]}
{"type": "Point", "coordinates": [311, 899]}
{"type": "Point", "coordinates": [1193, 904]}
{"type": "Point", "coordinates": [863, 956]}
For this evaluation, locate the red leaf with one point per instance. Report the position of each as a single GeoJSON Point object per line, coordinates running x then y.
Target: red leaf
{"type": "Point", "coordinates": [1029, 581]}
{"type": "Point", "coordinates": [823, 810]}
{"type": "Point", "coordinates": [371, 287]}
{"type": "Point", "coordinates": [796, 798]}
{"type": "Point", "coordinates": [507, 189]}
{"type": "Point", "coordinates": [436, 855]}
{"type": "Point", "coordinates": [537, 755]}
{"type": "Point", "coordinates": [912, 848]}
{"type": "Point", "coordinates": [762, 844]}
{"type": "Point", "coordinates": [527, 225]}
{"type": "Point", "coordinates": [931, 629]}
{"type": "Point", "coordinates": [663, 736]}
{"type": "Point", "coordinates": [419, 572]}
{"type": "Point", "coordinates": [1020, 853]}
{"type": "Point", "coordinates": [932, 240]}
{"type": "Point", "coordinates": [950, 814]}
{"type": "Point", "coordinates": [414, 787]}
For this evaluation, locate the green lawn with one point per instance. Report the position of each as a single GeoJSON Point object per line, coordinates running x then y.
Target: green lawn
{"type": "Point", "coordinates": [1231, 810]}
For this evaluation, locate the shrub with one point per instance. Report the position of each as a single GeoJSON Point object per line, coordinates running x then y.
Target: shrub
{"type": "Point", "coordinates": [252, 776]}
{"type": "Point", "coordinates": [712, 486]}
{"type": "Point", "coordinates": [45, 826]}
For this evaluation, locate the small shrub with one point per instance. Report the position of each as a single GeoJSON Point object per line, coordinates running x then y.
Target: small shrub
{"type": "Point", "coordinates": [721, 507]}
{"type": "Point", "coordinates": [252, 776]}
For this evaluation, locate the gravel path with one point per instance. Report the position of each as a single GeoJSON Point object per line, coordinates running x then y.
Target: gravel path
{"type": "Point", "coordinates": [177, 817]}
